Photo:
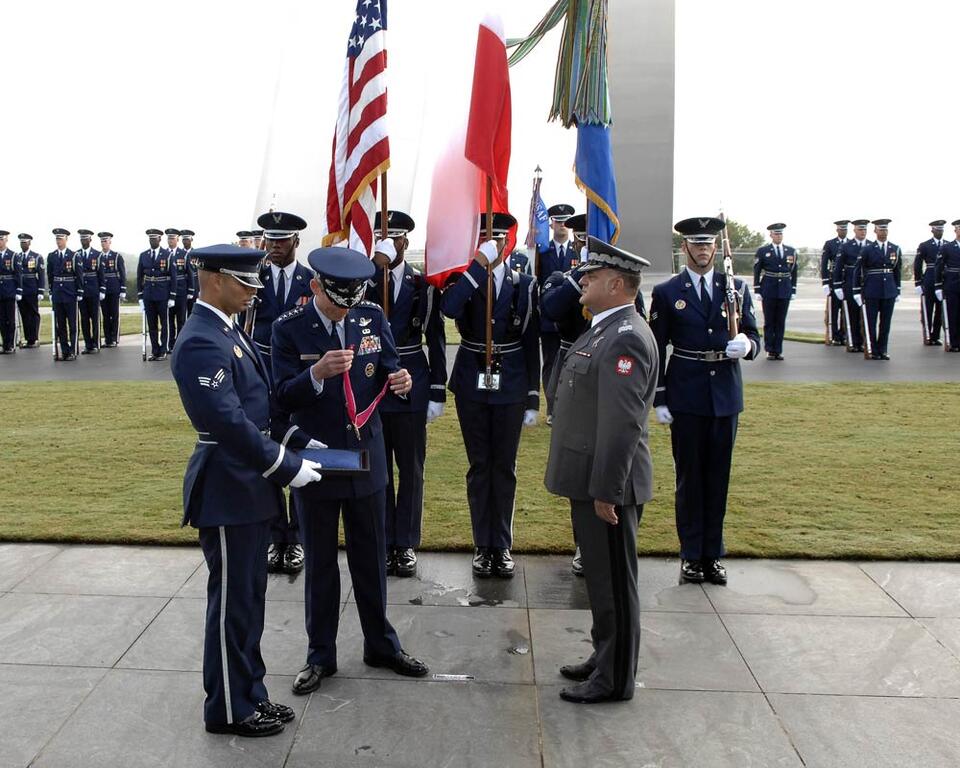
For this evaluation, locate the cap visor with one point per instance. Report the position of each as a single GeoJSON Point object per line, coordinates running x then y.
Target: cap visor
{"type": "Point", "coordinates": [249, 279]}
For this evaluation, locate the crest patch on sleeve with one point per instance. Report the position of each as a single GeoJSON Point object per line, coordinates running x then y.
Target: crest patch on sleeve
{"type": "Point", "coordinates": [212, 382]}
{"type": "Point", "coordinates": [624, 365]}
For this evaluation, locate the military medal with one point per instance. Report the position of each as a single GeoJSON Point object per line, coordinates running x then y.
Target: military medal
{"type": "Point", "coordinates": [236, 351]}
{"type": "Point", "coordinates": [680, 304]}
{"type": "Point", "coordinates": [357, 420]}
{"type": "Point", "coordinates": [369, 370]}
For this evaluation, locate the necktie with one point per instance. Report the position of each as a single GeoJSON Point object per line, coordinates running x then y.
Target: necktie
{"type": "Point", "coordinates": [282, 288]}
{"type": "Point", "coordinates": [884, 249]}
{"type": "Point", "coordinates": [391, 283]}
{"type": "Point", "coordinates": [704, 295]}
{"type": "Point", "coordinates": [779, 254]}
{"type": "Point", "coordinates": [335, 335]}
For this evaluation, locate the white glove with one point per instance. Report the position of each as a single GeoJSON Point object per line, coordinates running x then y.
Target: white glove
{"type": "Point", "coordinates": [838, 292]}
{"type": "Point", "coordinates": [434, 411]}
{"type": "Point", "coordinates": [530, 418]}
{"type": "Point", "coordinates": [584, 254]}
{"type": "Point", "coordinates": [40, 296]}
{"type": "Point", "coordinates": [939, 294]}
{"type": "Point", "coordinates": [103, 295]}
{"type": "Point", "coordinates": [140, 302]}
{"type": "Point", "coordinates": [663, 414]}
{"type": "Point", "coordinates": [896, 299]}
{"type": "Point", "coordinates": [315, 444]}
{"type": "Point", "coordinates": [826, 290]}
{"type": "Point", "coordinates": [489, 250]}
{"type": "Point", "coordinates": [19, 297]}
{"type": "Point", "coordinates": [918, 289]}
{"type": "Point", "coordinates": [387, 248]}
{"type": "Point", "coordinates": [738, 346]}
{"type": "Point", "coordinates": [170, 303]}
{"type": "Point", "coordinates": [308, 473]}
{"type": "Point", "coordinates": [858, 299]}
{"type": "Point", "coordinates": [123, 295]}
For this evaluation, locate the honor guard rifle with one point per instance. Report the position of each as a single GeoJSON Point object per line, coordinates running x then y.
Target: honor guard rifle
{"type": "Point", "coordinates": [731, 297]}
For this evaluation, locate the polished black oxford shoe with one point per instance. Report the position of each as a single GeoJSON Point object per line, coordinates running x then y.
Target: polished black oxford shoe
{"type": "Point", "coordinates": [275, 558]}
{"type": "Point", "coordinates": [578, 672]}
{"type": "Point", "coordinates": [293, 558]}
{"type": "Point", "coordinates": [576, 565]}
{"type": "Point", "coordinates": [482, 563]}
{"type": "Point", "coordinates": [405, 562]}
{"type": "Point", "coordinates": [691, 572]}
{"type": "Point", "coordinates": [714, 572]}
{"type": "Point", "coordinates": [310, 677]}
{"type": "Point", "coordinates": [502, 563]}
{"type": "Point", "coordinates": [257, 724]}
{"type": "Point", "coordinates": [280, 712]}
{"type": "Point", "coordinates": [391, 562]}
{"type": "Point", "coordinates": [586, 693]}
{"type": "Point", "coordinates": [402, 663]}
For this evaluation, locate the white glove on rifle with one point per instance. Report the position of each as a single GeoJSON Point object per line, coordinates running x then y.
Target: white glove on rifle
{"type": "Point", "coordinates": [123, 295]}
{"type": "Point", "coordinates": [826, 290]}
{"type": "Point", "coordinates": [103, 295]}
{"type": "Point", "coordinates": [738, 346]}
{"type": "Point", "coordinates": [140, 302]}
{"type": "Point", "coordinates": [309, 473]}
{"type": "Point", "coordinates": [40, 296]}
{"type": "Point", "coordinates": [663, 414]}
{"type": "Point", "coordinates": [434, 411]}
{"type": "Point", "coordinates": [170, 303]}
{"type": "Point", "coordinates": [939, 294]}
{"type": "Point", "coordinates": [858, 299]}
{"type": "Point", "coordinates": [530, 418]}
{"type": "Point", "coordinates": [896, 299]}
{"type": "Point", "coordinates": [838, 292]}
{"type": "Point", "coordinates": [918, 289]}
{"type": "Point", "coordinates": [387, 248]}
{"type": "Point", "coordinates": [19, 297]}
{"type": "Point", "coordinates": [315, 444]}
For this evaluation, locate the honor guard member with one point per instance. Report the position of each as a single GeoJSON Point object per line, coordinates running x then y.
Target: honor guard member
{"type": "Point", "coordinates": [924, 277]}
{"type": "Point", "coordinates": [113, 280]}
{"type": "Point", "coordinates": [876, 288]}
{"type": "Point", "coordinates": [491, 413]}
{"type": "Point", "coordinates": [520, 262]}
{"type": "Point", "coordinates": [413, 311]}
{"type": "Point", "coordinates": [258, 237]}
{"type": "Point", "coordinates": [286, 284]}
{"type": "Point", "coordinates": [193, 286]}
{"type": "Point", "coordinates": [600, 460]}
{"type": "Point", "coordinates": [828, 257]}
{"type": "Point", "coordinates": [335, 346]}
{"type": "Point", "coordinates": [559, 255]}
{"type": "Point", "coordinates": [560, 302]}
{"type": "Point", "coordinates": [156, 291]}
{"type": "Point", "coordinates": [65, 278]}
{"type": "Point", "coordinates": [33, 280]}
{"type": "Point", "coordinates": [245, 238]}
{"type": "Point", "coordinates": [843, 268]}
{"type": "Point", "coordinates": [700, 392]}
{"type": "Point", "coordinates": [775, 281]}
{"type": "Point", "coordinates": [946, 288]}
{"type": "Point", "coordinates": [178, 312]}
{"type": "Point", "coordinates": [91, 294]}
{"type": "Point", "coordinates": [232, 488]}
{"type": "Point", "coordinates": [11, 293]}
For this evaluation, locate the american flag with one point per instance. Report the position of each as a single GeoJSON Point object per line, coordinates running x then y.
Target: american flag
{"type": "Point", "coordinates": [361, 148]}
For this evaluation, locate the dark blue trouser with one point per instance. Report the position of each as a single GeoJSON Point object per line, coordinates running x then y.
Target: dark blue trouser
{"type": "Point", "coordinates": [285, 529]}
{"type": "Point", "coordinates": [951, 319]}
{"type": "Point", "coordinates": [30, 316]}
{"type": "Point", "coordinates": [233, 667]}
{"type": "Point", "coordinates": [491, 437]}
{"type": "Point", "coordinates": [65, 319]}
{"type": "Point", "coordinates": [177, 317]}
{"type": "Point", "coordinates": [8, 322]}
{"type": "Point", "coordinates": [932, 315]}
{"type": "Point", "coordinates": [366, 554]}
{"type": "Point", "coordinates": [774, 324]}
{"type": "Point", "coordinates": [702, 453]}
{"type": "Point", "coordinates": [852, 318]}
{"type": "Point", "coordinates": [157, 315]}
{"type": "Point", "coordinates": [110, 307]}
{"type": "Point", "coordinates": [405, 440]}
{"type": "Point", "coordinates": [90, 320]}
{"type": "Point", "coordinates": [879, 315]}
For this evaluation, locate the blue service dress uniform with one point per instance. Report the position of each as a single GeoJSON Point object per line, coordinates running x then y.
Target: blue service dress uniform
{"type": "Point", "coordinates": [90, 298]}
{"type": "Point", "coordinates": [924, 275]}
{"type": "Point", "coordinates": [177, 314]}
{"type": "Point", "coordinates": [555, 257]}
{"type": "Point", "coordinates": [775, 281]}
{"type": "Point", "coordinates": [947, 279]}
{"type": "Point", "coordinates": [231, 491]}
{"type": "Point", "coordinates": [33, 280]}
{"type": "Point", "coordinates": [703, 389]}
{"type": "Point", "coordinates": [65, 278]}
{"type": "Point", "coordinates": [828, 257]}
{"type": "Point", "coordinates": [193, 281]}
{"type": "Point", "coordinates": [843, 269]}
{"type": "Point", "coordinates": [285, 528]}
{"type": "Point", "coordinates": [11, 291]}
{"type": "Point", "coordinates": [520, 262]}
{"type": "Point", "coordinates": [415, 318]}
{"type": "Point", "coordinates": [490, 421]}
{"type": "Point", "coordinates": [113, 282]}
{"type": "Point", "coordinates": [300, 337]}
{"type": "Point", "coordinates": [156, 285]}
{"type": "Point", "coordinates": [876, 279]}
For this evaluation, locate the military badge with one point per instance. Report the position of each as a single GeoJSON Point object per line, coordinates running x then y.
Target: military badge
{"type": "Point", "coordinates": [369, 345]}
{"type": "Point", "coordinates": [212, 382]}
{"type": "Point", "coordinates": [415, 322]}
{"type": "Point", "coordinates": [236, 351]}
{"type": "Point", "coordinates": [680, 304]}
{"type": "Point", "coordinates": [365, 321]}
{"type": "Point", "coordinates": [624, 365]}
{"type": "Point", "coordinates": [369, 370]}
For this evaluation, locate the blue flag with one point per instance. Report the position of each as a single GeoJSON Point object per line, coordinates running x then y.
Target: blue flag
{"type": "Point", "coordinates": [541, 223]}
{"type": "Point", "coordinates": [595, 176]}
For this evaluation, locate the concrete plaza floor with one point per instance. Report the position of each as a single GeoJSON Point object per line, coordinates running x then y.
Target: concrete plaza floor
{"type": "Point", "coordinates": [796, 663]}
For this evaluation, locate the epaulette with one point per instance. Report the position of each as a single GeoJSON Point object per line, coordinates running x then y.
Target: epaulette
{"type": "Point", "coordinates": [370, 305]}
{"type": "Point", "coordinates": [291, 313]}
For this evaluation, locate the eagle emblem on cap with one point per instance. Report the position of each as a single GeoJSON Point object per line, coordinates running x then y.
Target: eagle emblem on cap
{"type": "Point", "coordinates": [277, 217]}
{"type": "Point", "coordinates": [703, 223]}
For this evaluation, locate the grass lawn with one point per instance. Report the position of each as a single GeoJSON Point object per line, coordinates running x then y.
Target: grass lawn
{"type": "Point", "coordinates": [820, 470]}
{"type": "Point", "coordinates": [128, 324]}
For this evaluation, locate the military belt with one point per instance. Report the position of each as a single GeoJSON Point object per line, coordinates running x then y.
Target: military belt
{"type": "Point", "coordinates": [775, 274]}
{"type": "Point", "coordinates": [498, 349]}
{"type": "Point", "coordinates": [878, 271]}
{"type": "Point", "coordinates": [64, 279]}
{"type": "Point", "coordinates": [849, 266]}
{"type": "Point", "coordinates": [6, 278]}
{"type": "Point", "coordinates": [951, 269]}
{"type": "Point", "coordinates": [157, 279]}
{"type": "Point", "coordinates": [111, 274]}
{"type": "Point", "coordinates": [411, 349]}
{"type": "Point", "coordinates": [204, 437]}
{"type": "Point", "coordinates": [704, 356]}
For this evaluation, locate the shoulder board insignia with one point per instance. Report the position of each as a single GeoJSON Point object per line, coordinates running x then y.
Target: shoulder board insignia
{"type": "Point", "coordinates": [291, 313]}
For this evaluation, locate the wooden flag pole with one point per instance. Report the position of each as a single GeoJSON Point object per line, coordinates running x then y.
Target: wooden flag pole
{"type": "Point", "coordinates": [489, 233]}
{"type": "Point", "coordinates": [383, 236]}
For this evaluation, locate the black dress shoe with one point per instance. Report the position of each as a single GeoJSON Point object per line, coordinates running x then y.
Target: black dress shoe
{"type": "Point", "coordinates": [858, 350]}
{"type": "Point", "coordinates": [391, 562]}
{"type": "Point", "coordinates": [257, 724]}
{"type": "Point", "coordinates": [280, 712]}
{"type": "Point", "coordinates": [309, 678]}
{"type": "Point", "coordinates": [70, 358]}
{"type": "Point", "coordinates": [578, 672]}
{"type": "Point", "coordinates": [502, 563]}
{"type": "Point", "coordinates": [778, 356]}
{"type": "Point", "coordinates": [884, 356]}
{"type": "Point", "coordinates": [402, 663]}
{"type": "Point", "coordinates": [405, 561]}
{"type": "Point", "coordinates": [293, 558]}
{"type": "Point", "coordinates": [275, 558]}
{"type": "Point", "coordinates": [585, 693]}
{"type": "Point", "coordinates": [576, 565]}
{"type": "Point", "coordinates": [771, 356]}
{"type": "Point", "coordinates": [714, 572]}
{"type": "Point", "coordinates": [482, 563]}
{"type": "Point", "coordinates": [691, 572]}
{"type": "Point", "coordinates": [153, 358]}
{"type": "Point", "coordinates": [838, 343]}
{"type": "Point", "coordinates": [86, 351]}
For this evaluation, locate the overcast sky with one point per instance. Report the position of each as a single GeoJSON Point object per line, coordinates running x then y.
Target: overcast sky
{"type": "Point", "coordinates": [124, 116]}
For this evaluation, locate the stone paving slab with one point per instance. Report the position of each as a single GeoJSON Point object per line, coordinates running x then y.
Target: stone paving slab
{"type": "Point", "coordinates": [18, 561]}
{"type": "Point", "coordinates": [923, 589]}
